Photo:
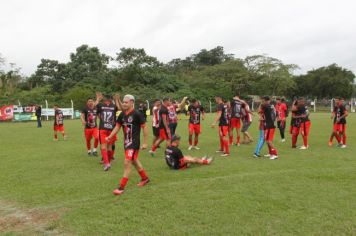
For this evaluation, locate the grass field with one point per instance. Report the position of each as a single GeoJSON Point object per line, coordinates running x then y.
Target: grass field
{"type": "Point", "coordinates": [49, 187]}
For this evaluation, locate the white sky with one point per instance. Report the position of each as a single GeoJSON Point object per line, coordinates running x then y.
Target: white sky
{"type": "Point", "coordinates": [309, 33]}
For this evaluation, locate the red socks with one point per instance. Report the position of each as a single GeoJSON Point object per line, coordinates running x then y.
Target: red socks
{"type": "Point", "coordinates": [123, 182]}
{"type": "Point", "coordinates": [238, 139]}
{"type": "Point", "coordinates": [294, 140]}
{"type": "Point", "coordinates": [226, 145]}
{"type": "Point", "coordinates": [305, 140]}
{"type": "Point", "coordinates": [196, 141]}
{"type": "Point", "coordinates": [104, 153]}
{"type": "Point", "coordinates": [221, 144]}
{"type": "Point", "coordinates": [143, 174]}
{"type": "Point", "coordinates": [205, 162]}
{"type": "Point", "coordinates": [154, 148]}
{"type": "Point", "coordinates": [110, 155]}
{"type": "Point", "coordinates": [96, 143]}
{"type": "Point", "coordinates": [231, 139]}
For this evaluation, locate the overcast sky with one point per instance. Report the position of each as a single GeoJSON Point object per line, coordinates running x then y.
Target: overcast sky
{"type": "Point", "coordinates": [309, 33]}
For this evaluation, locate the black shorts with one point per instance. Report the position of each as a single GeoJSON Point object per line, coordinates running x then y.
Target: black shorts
{"type": "Point", "coordinates": [155, 131]}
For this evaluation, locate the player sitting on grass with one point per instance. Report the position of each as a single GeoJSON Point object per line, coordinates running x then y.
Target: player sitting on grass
{"type": "Point", "coordinates": [176, 160]}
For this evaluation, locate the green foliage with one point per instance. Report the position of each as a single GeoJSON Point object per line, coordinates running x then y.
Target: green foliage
{"type": "Point", "coordinates": [202, 75]}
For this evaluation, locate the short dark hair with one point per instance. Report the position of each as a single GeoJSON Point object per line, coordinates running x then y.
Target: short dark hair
{"type": "Point", "coordinates": [107, 97]}
{"type": "Point", "coordinates": [166, 99]}
{"type": "Point", "coordinates": [266, 98]}
{"type": "Point", "coordinates": [194, 100]}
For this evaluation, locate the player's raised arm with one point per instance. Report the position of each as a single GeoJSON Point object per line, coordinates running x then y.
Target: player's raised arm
{"type": "Point", "coordinates": [99, 97]}
{"type": "Point", "coordinates": [182, 104]}
{"type": "Point", "coordinates": [118, 102]}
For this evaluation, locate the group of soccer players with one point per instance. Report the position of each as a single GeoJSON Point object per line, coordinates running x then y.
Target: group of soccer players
{"type": "Point", "coordinates": [230, 116]}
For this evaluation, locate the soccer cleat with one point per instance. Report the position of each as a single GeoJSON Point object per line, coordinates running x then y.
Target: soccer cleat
{"type": "Point", "coordinates": [267, 155]}
{"type": "Point", "coordinates": [283, 140]}
{"type": "Point", "coordinates": [273, 157]}
{"type": "Point", "coordinates": [255, 155]}
{"type": "Point", "coordinates": [339, 145]}
{"type": "Point", "coordinates": [95, 153]}
{"type": "Point", "coordinates": [343, 146]}
{"type": "Point", "coordinates": [190, 147]}
{"type": "Point", "coordinates": [118, 191]}
{"type": "Point", "coordinates": [107, 168]}
{"type": "Point", "coordinates": [219, 151]}
{"type": "Point", "coordinates": [89, 153]}
{"type": "Point", "coordinates": [304, 147]}
{"type": "Point", "coordinates": [196, 148]}
{"type": "Point", "coordinates": [225, 155]}
{"type": "Point", "coordinates": [143, 182]}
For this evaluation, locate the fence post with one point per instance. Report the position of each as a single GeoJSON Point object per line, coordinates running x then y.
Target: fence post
{"type": "Point", "coordinates": [253, 104]}
{"type": "Point", "coordinates": [46, 109]}
{"type": "Point", "coordinates": [331, 105]}
{"type": "Point", "coordinates": [71, 101]}
{"type": "Point", "coordinates": [315, 105]}
{"type": "Point", "coordinates": [210, 106]}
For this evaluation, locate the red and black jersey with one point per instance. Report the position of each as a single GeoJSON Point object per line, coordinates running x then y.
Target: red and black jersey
{"type": "Point", "coordinates": [339, 111]}
{"type": "Point", "coordinates": [90, 117]}
{"type": "Point", "coordinates": [155, 117]}
{"type": "Point", "coordinates": [58, 117]}
{"type": "Point", "coordinates": [224, 118]}
{"type": "Point", "coordinates": [195, 114]}
{"type": "Point", "coordinates": [303, 110]}
{"type": "Point", "coordinates": [173, 156]}
{"type": "Point", "coordinates": [236, 109]}
{"type": "Point", "coordinates": [163, 112]}
{"type": "Point", "coordinates": [270, 115]}
{"type": "Point", "coordinates": [172, 114]}
{"type": "Point", "coordinates": [107, 115]}
{"type": "Point", "coordinates": [131, 124]}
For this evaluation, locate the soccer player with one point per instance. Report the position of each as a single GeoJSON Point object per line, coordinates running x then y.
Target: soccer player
{"type": "Point", "coordinates": [302, 124]}
{"type": "Point", "coordinates": [196, 113]}
{"type": "Point", "coordinates": [131, 122]}
{"type": "Point", "coordinates": [281, 108]}
{"type": "Point", "coordinates": [246, 117]}
{"type": "Point", "coordinates": [235, 119]}
{"type": "Point", "coordinates": [339, 115]}
{"type": "Point", "coordinates": [106, 111]}
{"type": "Point", "coordinates": [164, 131]}
{"type": "Point", "coordinates": [269, 113]}
{"type": "Point", "coordinates": [177, 161]}
{"type": "Point", "coordinates": [58, 123]}
{"type": "Point", "coordinates": [261, 127]}
{"type": "Point", "coordinates": [88, 118]}
{"type": "Point", "coordinates": [155, 122]}
{"type": "Point", "coordinates": [142, 108]}
{"type": "Point", "coordinates": [172, 114]}
{"type": "Point", "coordinates": [222, 117]}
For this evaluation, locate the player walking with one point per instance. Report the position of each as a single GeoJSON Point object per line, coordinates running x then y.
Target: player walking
{"type": "Point", "coordinates": [131, 122]}
{"type": "Point", "coordinates": [235, 119]}
{"type": "Point", "coordinates": [282, 109]}
{"type": "Point", "coordinates": [269, 113]}
{"type": "Point", "coordinates": [58, 123]}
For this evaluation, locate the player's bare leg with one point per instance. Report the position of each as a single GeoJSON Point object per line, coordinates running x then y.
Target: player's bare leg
{"type": "Point", "coordinates": [141, 172]}
{"type": "Point", "coordinates": [55, 136]}
{"type": "Point", "coordinates": [196, 160]}
{"type": "Point", "coordinates": [104, 153]}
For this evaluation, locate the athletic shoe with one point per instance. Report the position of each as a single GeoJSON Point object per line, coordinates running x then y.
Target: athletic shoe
{"type": "Point", "coordinates": [143, 182]}
{"type": "Point", "coordinates": [89, 153]}
{"type": "Point", "coordinates": [196, 148]}
{"type": "Point", "coordinates": [190, 148]}
{"type": "Point", "coordinates": [283, 140]}
{"type": "Point", "coordinates": [255, 155]}
{"type": "Point", "coordinates": [339, 145]}
{"type": "Point", "coordinates": [219, 151]}
{"type": "Point", "coordinates": [304, 147]}
{"type": "Point", "coordinates": [210, 160]}
{"type": "Point", "coordinates": [273, 157]}
{"type": "Point", "coordinates": [267, 155]}
{"type": "Point", "coordinates": [330, 144]}
{"type": "Point", "coordinates": [95, 153]}
{"type": "Point", "coordinates": [118, 192]}
{"type": "Point", "coordinates": [343, 146]}
{"type": "Point", "coordinates": [152, 152]}
{"type": "Point", "coordinates": [294, 146]}
{"type": "Point", "coordinates": [225, 155]}
{"type": "Point", "coordinates": [107, 168]}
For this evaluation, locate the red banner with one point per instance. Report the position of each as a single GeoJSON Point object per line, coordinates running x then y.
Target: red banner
{"type": "Point", "coordinates": [6, 113]}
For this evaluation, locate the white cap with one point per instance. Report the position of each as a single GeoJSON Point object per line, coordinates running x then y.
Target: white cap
{"type": "Point", "coordinates": [129, 97]}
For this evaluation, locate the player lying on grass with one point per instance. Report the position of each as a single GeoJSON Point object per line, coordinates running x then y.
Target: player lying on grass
{"type": "Point", "coordinates": [177, 161]}
{"type": "Point", "coordinates": [58, 123]}
{"type": "Point", "coordinates": [131, 122]}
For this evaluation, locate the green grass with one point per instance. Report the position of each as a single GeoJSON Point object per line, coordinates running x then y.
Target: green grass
{"type": "Point", "coordinates": [310, 192]}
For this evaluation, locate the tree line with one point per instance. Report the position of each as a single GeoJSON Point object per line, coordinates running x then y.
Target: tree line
{"type": "Point", "coordinates": [201, 75]}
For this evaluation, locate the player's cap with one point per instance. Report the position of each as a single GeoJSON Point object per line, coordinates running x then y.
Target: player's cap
{"type": "Point", "coordinates": [129, 97]}
{"type": "Point", "coordinates": [175, 137]}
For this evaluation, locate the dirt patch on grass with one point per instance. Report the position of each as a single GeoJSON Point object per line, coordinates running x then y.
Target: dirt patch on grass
{"type": "Point", "coordinates": [28, 221]}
